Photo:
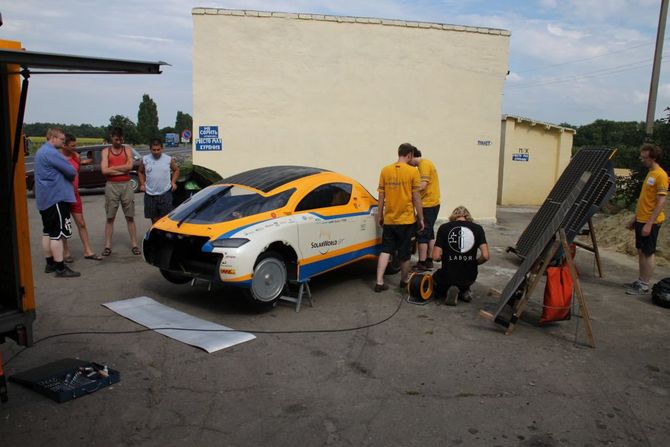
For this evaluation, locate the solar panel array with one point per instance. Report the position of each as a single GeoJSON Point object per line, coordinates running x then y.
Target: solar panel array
{"type": "Point", "coordinates": [597, 191]}
{"type": "Point", "coordinates": [585, 186]}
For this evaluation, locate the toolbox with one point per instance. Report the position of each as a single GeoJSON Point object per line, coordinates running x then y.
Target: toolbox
{"type": "Point", "coordinates": [67, 379]}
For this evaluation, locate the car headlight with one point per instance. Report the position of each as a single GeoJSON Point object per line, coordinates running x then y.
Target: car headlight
{"type": "Point", "coordinates": [229, 243]}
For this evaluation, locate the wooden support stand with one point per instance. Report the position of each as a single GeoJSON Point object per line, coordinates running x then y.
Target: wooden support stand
{"type": "Point", "coordinates": [593, 248]}
{"type": "Point", "coordinates": [535, 276]}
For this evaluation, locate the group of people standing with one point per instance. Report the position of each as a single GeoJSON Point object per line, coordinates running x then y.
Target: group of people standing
{"type": "Point", "coordinates": [409, 201]}
{"type": "Point", "coordinates": [57, 196]}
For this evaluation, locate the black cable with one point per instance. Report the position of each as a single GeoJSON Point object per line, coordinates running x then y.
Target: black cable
{"type": "Point", "coordinates": [139, 331]}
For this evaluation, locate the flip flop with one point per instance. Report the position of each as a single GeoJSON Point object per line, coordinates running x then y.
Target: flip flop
{"type": "Point", "coordinates": [136, 251]}
{"type": "Point", "coordinates": [107, 251]}
{"type": "Point", "coordinates": [68, 259]}
{"type": "Point", "coordinates": [94, 256]}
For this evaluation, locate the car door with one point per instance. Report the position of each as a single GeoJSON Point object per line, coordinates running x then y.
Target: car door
{"type": "Point", "coordinates": [332, 230]}
{"type": "Point", "coordinates": [87, 167]}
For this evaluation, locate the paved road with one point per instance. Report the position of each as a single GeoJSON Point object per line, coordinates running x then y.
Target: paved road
{"type": "Point", "coordinates": [430, 376]}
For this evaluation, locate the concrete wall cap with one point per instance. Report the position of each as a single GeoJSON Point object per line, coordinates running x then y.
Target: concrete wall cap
{"type": "Point", "coordinates": [348, 19]}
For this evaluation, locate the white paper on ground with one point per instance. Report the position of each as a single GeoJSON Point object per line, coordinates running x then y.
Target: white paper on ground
{"type": "Point", "coordinates": [152, 314]}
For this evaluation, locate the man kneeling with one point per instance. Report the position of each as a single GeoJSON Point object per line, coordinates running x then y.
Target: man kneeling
{"type": "Point", "coordinates": [456, 246]}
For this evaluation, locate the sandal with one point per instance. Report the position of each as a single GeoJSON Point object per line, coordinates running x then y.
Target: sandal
{"type": "Point", "coordinates": [136, 251]}
{"type": "Point", "coordinates": [68, 259]}
{"type": "Point", "coordinates": [107, 251]}
{"type": "Point", "coordinates": [94, 257]}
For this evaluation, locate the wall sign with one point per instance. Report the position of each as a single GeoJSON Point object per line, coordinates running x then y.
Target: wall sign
{"type": "Point", "coordinates": [208, 139]}
{"type": "Point", "coordinates": [519, 157]}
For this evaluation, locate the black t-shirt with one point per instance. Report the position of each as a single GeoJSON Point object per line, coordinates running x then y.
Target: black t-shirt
{"type": "Point", "coordinates": [459, 241]}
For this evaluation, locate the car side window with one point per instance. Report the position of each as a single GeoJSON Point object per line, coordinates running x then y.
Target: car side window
{"type": "Point", "coordinates": [324, 196]}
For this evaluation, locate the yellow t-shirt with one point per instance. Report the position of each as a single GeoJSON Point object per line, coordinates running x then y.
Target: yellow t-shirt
{"type": "Point", "coordinates": [397, 181]}
{"type": "Point", "coordinates": [430, 196]}
{"type": "Point", "coordinates": [655, 184]}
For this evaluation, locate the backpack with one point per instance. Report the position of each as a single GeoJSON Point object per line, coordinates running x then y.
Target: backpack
{"type": "Point", "coordinates": [660, 293]}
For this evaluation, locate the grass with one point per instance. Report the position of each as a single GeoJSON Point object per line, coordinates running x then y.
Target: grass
{"type": "Point", "coordinates": [81, 141]}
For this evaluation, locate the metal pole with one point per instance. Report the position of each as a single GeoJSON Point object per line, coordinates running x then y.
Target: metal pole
{"type": "Point", "coordinates": [653, 89]}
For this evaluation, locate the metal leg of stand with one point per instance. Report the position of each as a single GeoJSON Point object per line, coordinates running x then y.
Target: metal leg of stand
{"type": "Point", "coordinates": [304, 287]}
{"type": "Point", "coordinates": [303, 290]}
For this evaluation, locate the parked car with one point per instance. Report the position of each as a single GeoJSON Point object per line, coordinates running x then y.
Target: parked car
{"type": "Point", "coordinates": [263, 228]}
{"type": "Point", "coordinates": [90, 175]}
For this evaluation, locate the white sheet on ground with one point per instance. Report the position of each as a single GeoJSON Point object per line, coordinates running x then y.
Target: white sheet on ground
{"type": "Point", "coordinates": [152, 314]}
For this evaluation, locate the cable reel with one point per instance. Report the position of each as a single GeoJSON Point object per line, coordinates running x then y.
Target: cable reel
{"type": "Point", "coordinates": [420, 287]}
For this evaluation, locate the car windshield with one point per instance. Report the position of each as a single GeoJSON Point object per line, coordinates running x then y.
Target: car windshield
{"type": "Point", "coordinates": [235, 203]}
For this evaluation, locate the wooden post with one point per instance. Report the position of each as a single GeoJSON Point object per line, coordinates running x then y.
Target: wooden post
{"type": "Point", "coordinates": [578, 289]}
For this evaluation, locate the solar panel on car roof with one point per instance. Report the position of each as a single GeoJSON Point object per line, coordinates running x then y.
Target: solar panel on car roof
{"type": "Point", "coordinates": [268, 178]}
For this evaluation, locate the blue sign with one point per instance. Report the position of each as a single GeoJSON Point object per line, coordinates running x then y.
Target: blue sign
{"type": "Point", "coordinates": [208, 132]}
{"type": "Point", "coordinates": [519, 157]}
{"type": "Point", "coordinates": [208, 139]}
{"type": "Point", "coordinates": [186, 134]}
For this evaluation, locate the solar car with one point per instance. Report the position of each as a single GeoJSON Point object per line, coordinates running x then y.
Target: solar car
{"type": "Point", "coordinates": [265, 228]}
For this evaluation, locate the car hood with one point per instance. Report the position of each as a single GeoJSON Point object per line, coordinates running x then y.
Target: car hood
{"type": "Point", "coordinates": [214, 230]}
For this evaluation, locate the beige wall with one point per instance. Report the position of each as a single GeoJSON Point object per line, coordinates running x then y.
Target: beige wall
{"type": "Point", "coordinates": [548, 150]}
{"type": "Point", "coordinates": [341, 93]}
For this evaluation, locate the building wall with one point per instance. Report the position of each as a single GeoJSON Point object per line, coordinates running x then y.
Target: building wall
{"type": "Point", "coordinates": [342, 93]}
{"type": "Point", "coordinates": [533, 156]}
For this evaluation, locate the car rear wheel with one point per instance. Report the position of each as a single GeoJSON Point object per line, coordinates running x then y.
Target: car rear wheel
{"type": "Point", "coordinates": [175, 278]}
{"type": "Point", "coordinates": [135, 183]}
{"type": "Point", "coordinates": [269, 279]}
{"type": "Point", "coordinates": [393, 266]}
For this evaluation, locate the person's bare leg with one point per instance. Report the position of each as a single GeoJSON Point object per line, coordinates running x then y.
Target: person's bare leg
{"type": "Point", "coordinates": [56, 247]}
{"type": "Point", "coordinates": [83, 233]}
{"type": "Point", "coordinates": [382, 262]}
{"type": "Point", "coordinates": [647, 265]}
{"type": "Point", "coordinates": [66, 249]}
{"type": "Point", "coordinates": [109, 232]}
{"type": "Point", "coordinates": [404, 270]}
{"type": "Point", "coordinates": [132, 231]}
{"type": "Point", "coordinates": [423, 252]}
{"type": "Point", "coordinates": [46, 247]}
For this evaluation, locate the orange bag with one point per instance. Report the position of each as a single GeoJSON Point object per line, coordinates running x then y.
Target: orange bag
{"type": "Point", "coordinates": [557, 295]}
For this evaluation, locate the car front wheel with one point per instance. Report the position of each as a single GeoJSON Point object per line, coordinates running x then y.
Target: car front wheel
{"type": "Point", "coordinates": [269, 279]}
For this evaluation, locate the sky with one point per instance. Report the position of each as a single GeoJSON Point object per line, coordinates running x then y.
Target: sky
{"type": "Point", "coordinates": [570, 61]}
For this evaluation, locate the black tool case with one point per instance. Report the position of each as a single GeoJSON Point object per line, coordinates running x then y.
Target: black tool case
{"type": "Point", "coordinates": [67, 379]}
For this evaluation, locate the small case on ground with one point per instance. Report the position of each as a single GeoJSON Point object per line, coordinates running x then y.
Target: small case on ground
{"type": "Point", "coordinates": [67, 379]}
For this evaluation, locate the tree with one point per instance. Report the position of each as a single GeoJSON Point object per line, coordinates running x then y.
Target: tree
{"type": "Point", "coordinates": [147, 120]}
{"type": "Point", "coordinates": [183, 122]}
{"type": "Point", "coordinates": [125, 123]}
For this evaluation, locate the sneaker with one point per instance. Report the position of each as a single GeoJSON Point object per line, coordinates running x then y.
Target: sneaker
{"type": "Point", "coordinates": [49, 268]}
{"type": "Point", "coordinates": [403, 285]}
{"type": "Point", "coordinates": [452, 296]}
{"type": "Point", "coordinates": [635, 283]}
{"type": "Point", "coordinates": [381, 287]}
{"type": "Point", "coordinates": [428, 263]}
{"type": "Point", "coordinates": [420, 266]}
{"type": "Point", "coordinates": [466, 296]}
{"type": "Point", "coordinates": [67, 272]}
{"type": "Point", "coordinates": [638, 289]}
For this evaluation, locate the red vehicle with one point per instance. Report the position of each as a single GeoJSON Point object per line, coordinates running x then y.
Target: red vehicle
{"type": "Point", "coordinates": [90, 174]}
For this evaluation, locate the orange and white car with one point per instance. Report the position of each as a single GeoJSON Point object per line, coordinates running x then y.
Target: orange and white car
{"type": "Point", "coordinates": [266, 227]}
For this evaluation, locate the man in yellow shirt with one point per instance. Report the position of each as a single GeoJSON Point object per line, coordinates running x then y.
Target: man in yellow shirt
{"type": "Point", "coordinates": [430, 202]}
{"type": "Point", "coordinates": [399, 201]}
{"type": "Point", "coordinates": [648, 217]}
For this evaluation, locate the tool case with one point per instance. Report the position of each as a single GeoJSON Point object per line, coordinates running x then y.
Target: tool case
{"type": "Point", "coordinates": [67, 379]}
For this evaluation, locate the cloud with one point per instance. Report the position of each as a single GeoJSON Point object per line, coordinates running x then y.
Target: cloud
{"type": "Point", "coordinates": [560, 32]}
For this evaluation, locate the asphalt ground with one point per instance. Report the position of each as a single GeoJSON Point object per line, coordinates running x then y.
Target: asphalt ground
{"type": "Point", "coordinates": [430, 375]}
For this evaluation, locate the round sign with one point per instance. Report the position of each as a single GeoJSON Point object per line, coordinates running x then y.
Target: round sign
{"type": "Point", "coordinates": [186, 134]}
